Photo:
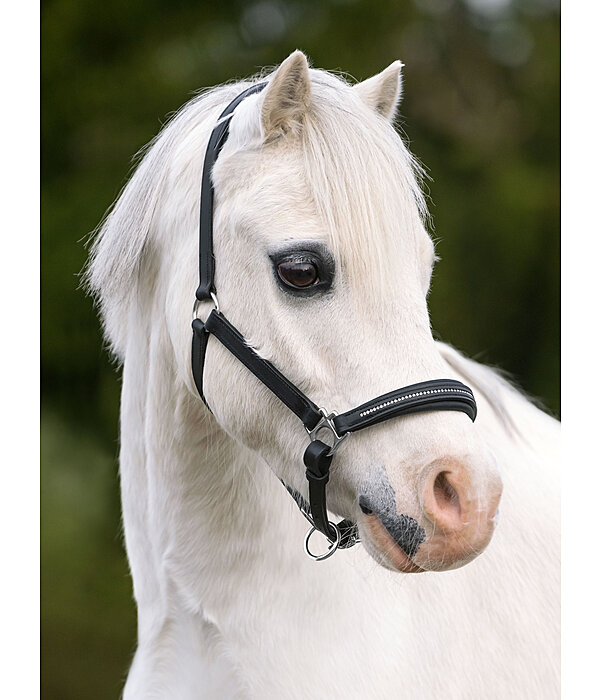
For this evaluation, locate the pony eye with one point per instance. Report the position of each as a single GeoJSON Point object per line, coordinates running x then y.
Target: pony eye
{"type": "Point", "coordinates": [298, 273]}
{"type": "Point", "coordinates": [303, 268]}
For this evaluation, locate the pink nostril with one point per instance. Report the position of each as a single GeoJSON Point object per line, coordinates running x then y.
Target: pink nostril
{"type": "Point", "coordinates": [442, 500]}
{"type": "Point", "coordinates": [460, 505]}
{"type": "Point", "coordinates": [447, 500]}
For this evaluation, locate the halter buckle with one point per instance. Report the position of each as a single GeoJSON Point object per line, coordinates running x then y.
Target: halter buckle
{"type": "Point", "coordinates": [326, 423]}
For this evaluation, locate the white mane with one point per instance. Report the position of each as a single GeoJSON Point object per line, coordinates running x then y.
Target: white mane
{"type": "Point", "coordinates": [122, 238]}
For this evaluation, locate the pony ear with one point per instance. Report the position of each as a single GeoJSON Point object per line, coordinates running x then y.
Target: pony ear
{"type": "Point", "coordinates": [287, 97]}
{"type": "Point", "coordinates": [383, 91]}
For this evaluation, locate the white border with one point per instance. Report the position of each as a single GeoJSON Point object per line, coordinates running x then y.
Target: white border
{"type": "Point", "coordinates": [580, 341]}
{"type": "Point", "coordinates": [19, 311]}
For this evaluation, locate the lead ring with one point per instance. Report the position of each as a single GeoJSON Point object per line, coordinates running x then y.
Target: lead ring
{"type": "Point", "coordinates": [332, 547]}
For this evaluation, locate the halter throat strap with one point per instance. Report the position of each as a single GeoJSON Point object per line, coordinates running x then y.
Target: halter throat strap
{"type": "Point", "coordinates": [326, 430]}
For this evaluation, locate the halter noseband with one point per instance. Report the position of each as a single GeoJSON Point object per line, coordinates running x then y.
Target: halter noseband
{"type": "Point", "coordinates": [435, 395]}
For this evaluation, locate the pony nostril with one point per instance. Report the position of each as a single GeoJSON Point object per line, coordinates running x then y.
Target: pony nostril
{"type": "Point", "coordinates": [445, 494]}
{"type": "Point", "coordinates": [363, 506]}
{"type": "Point", "coordinates": [444, 499]}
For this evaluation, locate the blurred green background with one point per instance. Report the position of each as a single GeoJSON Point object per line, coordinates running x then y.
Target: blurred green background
{"type": "Point", "coordinates": [480, 110]}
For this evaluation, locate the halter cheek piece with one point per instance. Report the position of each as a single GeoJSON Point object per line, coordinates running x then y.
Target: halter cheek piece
{"type": "Point", "coordinates": [435, 395]}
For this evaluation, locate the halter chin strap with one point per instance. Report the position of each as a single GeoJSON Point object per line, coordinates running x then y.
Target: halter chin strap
{"type": "Point", "coordinates": [326, 430]}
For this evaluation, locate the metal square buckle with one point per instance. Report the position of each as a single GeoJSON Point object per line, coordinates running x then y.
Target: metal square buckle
{"type": "Point", "coordinates": [326, 423]}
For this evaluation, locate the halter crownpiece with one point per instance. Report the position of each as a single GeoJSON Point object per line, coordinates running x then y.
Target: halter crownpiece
{"type": "Point", "coordinates": [326, 430]}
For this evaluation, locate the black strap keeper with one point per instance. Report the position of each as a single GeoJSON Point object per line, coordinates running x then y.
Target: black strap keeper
{"type": "Point", "coordinates": [311, 476]}
{"type": "Point", "coordinates": [203, 293]}
{"type": "Point", "coordinates": [317, 459]}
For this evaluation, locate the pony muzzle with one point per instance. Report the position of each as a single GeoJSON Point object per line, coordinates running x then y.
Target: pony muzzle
{"type": "Point", "coordinates": [456, 522]}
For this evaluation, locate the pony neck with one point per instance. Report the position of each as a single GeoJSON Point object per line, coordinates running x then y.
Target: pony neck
{"type": "Point", "coordinates": [197, 507]}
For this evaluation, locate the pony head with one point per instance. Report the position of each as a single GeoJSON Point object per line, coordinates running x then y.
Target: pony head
{"type": "Point", "coordinates": [323, 263]}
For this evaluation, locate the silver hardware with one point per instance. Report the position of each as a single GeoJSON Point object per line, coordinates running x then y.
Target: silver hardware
{"type": "Point", "coordinates": [332, 545]}
{"type": "Point", "coordinates": [197, 303]}
{"type": "Point", "coordinates": [326, 423]}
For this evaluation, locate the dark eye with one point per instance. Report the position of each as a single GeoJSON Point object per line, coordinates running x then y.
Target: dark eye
{"type": "Point", "coordinates": [298, 273]}
{"type": "Point", "coordinates": [303, 268]}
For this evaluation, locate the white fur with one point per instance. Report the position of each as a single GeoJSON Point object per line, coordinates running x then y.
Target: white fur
{"type": "Point", "coordinates": [228, 604]}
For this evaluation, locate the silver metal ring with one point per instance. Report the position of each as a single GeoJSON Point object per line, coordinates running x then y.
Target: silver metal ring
{"type": "Point", "coordinates": [332, 547]}
{"type": "Point", "coordinates": [197, 303]}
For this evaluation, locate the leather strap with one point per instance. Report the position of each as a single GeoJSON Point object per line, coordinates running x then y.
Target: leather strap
{"type": "Point", "coordinates": [199, 343]}
{"type": "Point", "coordinates": [318, 461]}
{"type": "Point", "coordinates": [288, 393]}
{"type": "Point", "coordinates": [433, 395]}
{"type": "Point", "coordinates": [206, 263]}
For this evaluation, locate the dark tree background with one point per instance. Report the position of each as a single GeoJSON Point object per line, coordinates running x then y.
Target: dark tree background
{"type": "Point", "coordinates": [480, 110]}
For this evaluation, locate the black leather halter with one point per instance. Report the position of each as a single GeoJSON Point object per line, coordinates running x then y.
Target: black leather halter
{"type": "Point", "coordinates": [434, 395]}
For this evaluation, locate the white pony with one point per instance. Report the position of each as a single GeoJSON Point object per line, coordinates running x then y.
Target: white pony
{"type": "Point", "coordinates": [229, 606]}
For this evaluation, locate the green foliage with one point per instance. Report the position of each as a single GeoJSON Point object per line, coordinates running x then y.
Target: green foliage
{"type": "Point", "coordinates": [88, 620]}
{"type": "Point", "coordinates": [481, 111]}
